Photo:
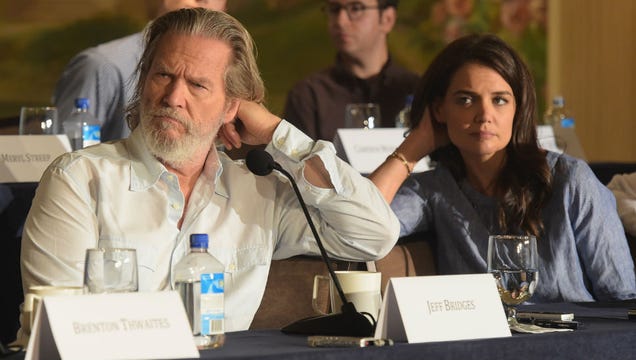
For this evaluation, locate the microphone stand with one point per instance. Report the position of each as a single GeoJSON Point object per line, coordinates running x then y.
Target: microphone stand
{"type": "Point", "coordinates": [349, 322]}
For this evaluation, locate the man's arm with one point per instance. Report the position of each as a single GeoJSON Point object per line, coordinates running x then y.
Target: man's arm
{"type": "Point", "coordinates": [88, 75]}
{"type": "Point", "coordinates": [60, 226]}
{"type": "Point", "coordinates": [354, 220]}
{"type": "Point", "coordinates": [257, 128]}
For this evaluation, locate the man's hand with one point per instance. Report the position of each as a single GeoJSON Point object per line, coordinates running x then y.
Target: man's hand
{"type": "Point", "coordinates": [254, 125]}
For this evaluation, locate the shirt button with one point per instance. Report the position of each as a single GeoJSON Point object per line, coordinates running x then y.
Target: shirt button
{"type": "Point", "coordinates": [280, 141]}
{"type": "Point", "coordinates": [176, 206]}
{"type": "Point", "coordinates": [294, 152]}
{"type": "Point", "coordinates": [231, 267]}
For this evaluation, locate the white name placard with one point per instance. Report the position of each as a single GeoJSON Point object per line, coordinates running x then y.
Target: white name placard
{"type": "Point", "coordinates": [560, 140]}
{"type": "Point", "coordinates": [150, 325]}
{"type": "Point", "coordinates": [442, 308]}
{"type": "Point", "coordinates": [23, 158]}
{"type": "Point", "coordinates": [547, 139]}
{"type": "Point", "coordinates": [366, 149]}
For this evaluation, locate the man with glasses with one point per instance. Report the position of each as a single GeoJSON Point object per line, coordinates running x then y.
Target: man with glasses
{"type": "Point", "coordinates": [363, 71]}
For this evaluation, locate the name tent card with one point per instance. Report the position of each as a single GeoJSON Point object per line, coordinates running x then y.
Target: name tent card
{"type": "Point", "coordinates": [560, 140]}
{"type": "Point", "coordinates": [547, 138]}
{"type": "Point", "coordinates": [442, 308]}
{"type": "Point", "coordinates": [23, 158]}
{"type": "Point", "coordinates": [366, 149]}
{"type": "Point", "coordinates": [146, 325]}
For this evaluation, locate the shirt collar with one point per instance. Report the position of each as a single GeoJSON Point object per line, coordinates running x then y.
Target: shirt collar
{"type": "Point", "coordinates": [146, 170]}
{"type": "Point", "coordinates": [340, 70]}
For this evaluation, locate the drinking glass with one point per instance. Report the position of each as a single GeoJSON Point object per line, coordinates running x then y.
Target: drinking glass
{"type": "Point", "coordinates": [110, 270]}
{"type": "Point", "coordinates": [513, 260]}
{"type": "Point", "coordinates": [362, 115]}
{"type": "Point", "coordinates": [38, 120]}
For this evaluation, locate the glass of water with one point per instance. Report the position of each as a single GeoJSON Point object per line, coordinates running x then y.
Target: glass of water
{"type": "Point", "coordinates": [362, 115]}
{"type": "Point", "coordinates": [513, 261]}
{"type": "Point", "coordinates": [110, 270]}
{"type": "Point", "coordinates": [38, 120]}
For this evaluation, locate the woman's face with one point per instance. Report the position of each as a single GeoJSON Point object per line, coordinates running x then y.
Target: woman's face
{"type": "Point", "coordinates": [478, 110]}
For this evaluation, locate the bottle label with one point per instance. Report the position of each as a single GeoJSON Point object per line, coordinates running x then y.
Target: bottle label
{"type": "Point", "coordinates": [212, 303]}
{"type": "Point", "coordinates": [567, 122]}
{"type": "Point", "coordinates": [91, 135]}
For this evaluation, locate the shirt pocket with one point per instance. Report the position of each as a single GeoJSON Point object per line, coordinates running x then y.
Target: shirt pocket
{"type": "Point", "coordinates": [246, 270]}
{"type": "Point", "coordinates": [245, 279]}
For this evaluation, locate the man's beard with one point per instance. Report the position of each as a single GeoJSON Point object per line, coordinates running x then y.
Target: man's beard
{"type": "Point", "coordinates": [175, 152]}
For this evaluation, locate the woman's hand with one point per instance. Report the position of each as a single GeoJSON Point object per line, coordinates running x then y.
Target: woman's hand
{"type": "Point", "coordinates": [423, 139]}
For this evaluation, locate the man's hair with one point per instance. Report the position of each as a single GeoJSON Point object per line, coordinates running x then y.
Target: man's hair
{"type": "Point", "coordinates": [383, 4]}
{"type": "Point", "coordinates": [242, 79]}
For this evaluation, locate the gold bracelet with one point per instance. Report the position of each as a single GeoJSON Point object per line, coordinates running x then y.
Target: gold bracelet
{"type": "Point", "coordinates": [401, 157]}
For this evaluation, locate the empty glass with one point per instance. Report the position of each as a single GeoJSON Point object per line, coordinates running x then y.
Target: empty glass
{"type": "Point", "coordinates": [38, 120]}
{"type": "Point", "coordinates": [363, 115]}
{"type": "Point", "coordinates": [110, 270]}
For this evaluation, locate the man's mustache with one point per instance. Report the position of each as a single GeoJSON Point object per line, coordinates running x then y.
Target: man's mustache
{"type": "Point", "coordinates": [173, 114]}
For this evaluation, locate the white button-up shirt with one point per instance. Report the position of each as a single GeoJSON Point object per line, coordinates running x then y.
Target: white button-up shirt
{"type": "Point", "coordinates": [118, 195]}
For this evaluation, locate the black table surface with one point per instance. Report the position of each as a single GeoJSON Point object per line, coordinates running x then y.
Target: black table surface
{"type": "Point", "coordinates": [606, 333]}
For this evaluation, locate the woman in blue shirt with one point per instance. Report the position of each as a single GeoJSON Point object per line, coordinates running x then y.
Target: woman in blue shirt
{"type": "Point", "coordinates": [474, 113]}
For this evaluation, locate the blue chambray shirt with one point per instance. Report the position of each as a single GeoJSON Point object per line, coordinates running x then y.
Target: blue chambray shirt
{"type": "Point", "coordinates": [583, 255]}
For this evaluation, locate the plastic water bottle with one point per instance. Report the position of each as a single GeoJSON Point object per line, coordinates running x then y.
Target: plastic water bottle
{"type": "Point", "coordinates": [89, 127]}
{"type": "Point", "coordinates": [557, 116]}
{"type": "Point", "coordinates": [199, 279]}
{"type": "Point", "coordinates": [73, 125]}
{"type": "Point", "coordinates": [402, 118]}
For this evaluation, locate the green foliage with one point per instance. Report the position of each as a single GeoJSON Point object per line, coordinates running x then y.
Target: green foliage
{"type": "Point", "coordinates": [60, 44]}
{"type": "Point", "coordinates": [31, 61]}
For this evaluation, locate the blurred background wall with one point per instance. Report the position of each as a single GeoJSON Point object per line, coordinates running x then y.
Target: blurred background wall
{"type": "Point", "coordinates": [582, 49]}
{"type": "Point", "coordinates": [592, 62]}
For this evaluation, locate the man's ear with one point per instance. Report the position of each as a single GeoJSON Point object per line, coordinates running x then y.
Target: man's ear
{"type": "Point", "coordinates": [231, 108]}
{"type": "Point", "coordinates": [388, 16]}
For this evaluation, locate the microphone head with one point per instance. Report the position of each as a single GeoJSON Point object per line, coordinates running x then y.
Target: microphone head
{"type": "Point", "coordinates": [260, 162]}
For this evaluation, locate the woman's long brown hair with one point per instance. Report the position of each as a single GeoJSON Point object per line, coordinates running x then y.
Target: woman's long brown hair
{"type": "Point", "coordinates": [525, 182]}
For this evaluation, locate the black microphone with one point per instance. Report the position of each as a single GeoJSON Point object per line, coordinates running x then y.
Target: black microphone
{"type": "Point", "coordinates": [349, 322]}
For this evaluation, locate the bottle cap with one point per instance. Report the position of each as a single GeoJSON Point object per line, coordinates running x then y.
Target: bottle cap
{"type": "Point", "coordinates": [81, 103]}
{"type": "Point", "coordinates": [558, 101]}
{"type": "Point", "coordinates": [409, 99]}
{"type": "Point", "coordinates": [199, 241]}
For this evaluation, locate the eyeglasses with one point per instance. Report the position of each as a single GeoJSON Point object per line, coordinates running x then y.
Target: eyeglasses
{"type": "Point", "coordinates": [353, 9]}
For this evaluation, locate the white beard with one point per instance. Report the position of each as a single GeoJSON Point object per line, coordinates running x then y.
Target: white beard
{"type": "Point", "coordinates": [180, 151]}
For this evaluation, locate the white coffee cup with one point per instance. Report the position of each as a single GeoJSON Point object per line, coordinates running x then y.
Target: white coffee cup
{"type": "Point", "coordinates": [362, 288]}
{"type": "Point", "coordinates": [34, 296]}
